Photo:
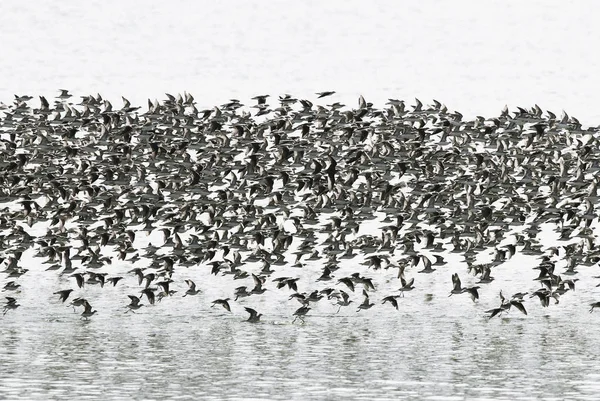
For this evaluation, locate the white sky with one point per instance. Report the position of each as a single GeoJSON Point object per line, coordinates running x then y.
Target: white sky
{"type": "Point", "coordinates": [474, 56]}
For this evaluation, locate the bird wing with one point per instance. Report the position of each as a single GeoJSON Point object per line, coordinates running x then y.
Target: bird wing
{"type": "Point", "coordinates": [519, 306]}
{"type": "Point", "coordinates": [494, 312]}
{"type": "Point", "coordinates": [134, 300]}
{"type": "Point", "coordinates": [456, 281]}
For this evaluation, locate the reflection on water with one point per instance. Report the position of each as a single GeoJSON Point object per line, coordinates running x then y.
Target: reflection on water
{"type": "Point", "coordinates": [398, 355]}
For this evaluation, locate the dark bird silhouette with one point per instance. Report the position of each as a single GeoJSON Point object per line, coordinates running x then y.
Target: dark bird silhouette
{"type": "Point", "coordinates": [87, 312]}
{"type": "Point", "coordinates": [149, 293]}
{"type": "Point", "coordinates": [326, 93]}
{"type": "Point", "coordinates": [11, 304]}
{"type": "Point", "coordinates": [254, 316]}
{"type": "Point", "coordinates": [192, 288]}
{"type": "Point", "coordinates": [64, 294]}
{"type": "Point", "coordinates": [223, 302]}
{"type": "Point", "coordinates": [134, 304]}
{"type": "Point", "coordinates": [392, 300]}
{"type": "Point", "coordinates": [300, 313]}
{"type": "Point", "coordinates": [366, 304]}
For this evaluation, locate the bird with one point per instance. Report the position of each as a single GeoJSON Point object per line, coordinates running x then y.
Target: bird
{"type": "Point", "coordinates": [223, 302]}
{"type": "Point", "coordinates": [594, 305]}
{"type": "Point", "coordinates": [323, 94]}
{"type": "Point", "coordinates": [64, 294]}
{"type": "Point", "coordinates": [485, 277]}
{"type": "Point", "coordinates": [241, 292]}
{"type": "Point", "coordinates": [80, 279]}
{"type": "Point", "coordinates": [261, 99]}
{"type": "Point", "coordinates": [505, 305]}
{"type": "Point", "coordinates": [473, 292]}
{"type": "Point", "coordinates": [11, 304]}
{"type": "Point", "coordinates": [439, 261]}
{"type": "Point", "coordinates": [348, 282]}
{"type": "Point", "coordinates": [300, 313]}
{"type": "Point", "coordinates": [78, 302]}
{"type": "Point", "coordinates": [87, 312]}
{"type": "Point", "coordinates": [192, 288]}
{"type": "Point", "coordinates": [366, 304]}
{"type": "Point", "coordinates": [149, 293]}
{"type": "Point", "coordinates": [457, 288]}
{"type": "Point", "coordinates": [406, 285]}
{"type": "Point", "coordinates": [254, 316]}
{"type": "Point", "coordinates": [134, 304]}
{"type": "Point", "coordinates": [519, 305]}
{"type": "Point", "coordinates": [392, 300]}
{"type": "Point", "coordinates": [64, 94]}
{"type": "Point", "coordinates": [114, 280]}
{"type": "Point", "coordinates": [426, 265]}
{"type": "Point", "coordinates": [345, 301]}
{"type": "Point", "coordinates": [11, 286]}
{"type": "Point", "coordinates": [258, 285]}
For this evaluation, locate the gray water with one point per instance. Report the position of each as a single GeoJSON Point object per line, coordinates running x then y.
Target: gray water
{"type": "Point", "coordinates": [474, 56]}
{"type": "Point", "coordinates": [204, 356]}
{"type": "Point", "coordinates": [381, 356]}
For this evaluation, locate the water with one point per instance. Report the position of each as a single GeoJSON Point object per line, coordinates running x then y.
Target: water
{"type": "Point", "coordinates": [474, 57]}
{"type": "Point", "coordinates": [356, 357]}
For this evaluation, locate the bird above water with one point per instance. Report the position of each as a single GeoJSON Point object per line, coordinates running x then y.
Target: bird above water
{"type": "Point", "coordinates": [345, 301]}
{"type": "Point", "coordinates": [87, 312]}
{"type": "Point", "coordinates": [78, 302]}
{"type": "Point", "coordinates": [11, 286]}
{"type": "Point", "coordinates": [366, 304]}
{"type": "Point", "coordinates": [426, 265]}
{"type": "Point", "coordinates": [392, 299]}
{"type": "Point", "coordinates": [505, 305]}
{"type": "Point", "coordinates": [149, 293]}
{"type": "Point", "coordinates": [64, 294]}
{"type": "Point", "coordinates": [458, 289]}
{"type": "Point", "coordinates": [114, 280]}
{"type": "Point", "coordinates": [223, 302]}
{"type": "Point", "coordinates": [300, 313]}
{"type": "Point", "coordinates": [80, 279]}
{"type": "Point", "coordinates": [406, 285]}
{"type": "Point", "coordinates": [254, 316]}
{"type": "Point", "coordinates": [192, 288]}
{"type": "Point", "coordinates": [134, 304]}
{"type": "Point", "coordinates": [11, 304]}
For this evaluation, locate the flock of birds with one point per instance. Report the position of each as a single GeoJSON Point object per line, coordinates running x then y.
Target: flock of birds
{"type": "Point", "coordinates": [254, 194]}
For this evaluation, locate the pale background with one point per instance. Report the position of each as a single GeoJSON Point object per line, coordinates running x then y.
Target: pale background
{"type": "Point", "coordinates": [475, 56]}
